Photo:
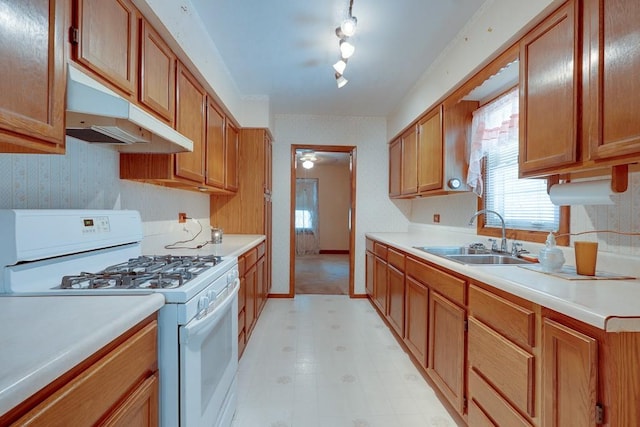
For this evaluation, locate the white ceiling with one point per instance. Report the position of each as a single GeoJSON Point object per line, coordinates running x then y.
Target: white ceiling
{"type": "Point", "coordinates": [285, 49]}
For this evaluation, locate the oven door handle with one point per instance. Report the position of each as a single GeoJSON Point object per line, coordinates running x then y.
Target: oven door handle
{"type": "Point", "coordinates": [202, 327]}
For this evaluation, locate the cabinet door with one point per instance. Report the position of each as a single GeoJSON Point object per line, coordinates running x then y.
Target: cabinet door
{"type": "Point", "coordinates": [430, 156]}
{"type": "Point", "coordinates": [215, 145]}
{"type": "Point", "coordinates": [612, 86]}
{"type": "Point", "coordinates": [569, 376]}
{"type": "Point", "coordinates": [140, 409]}
{"type": "Point", "coordinates": [231, 158]}
{"type": "Point", "coordinates": [251, 299]}
{"type": "Point", "coordinates": [416, 319]}
{"type": "Point", "coordinates": [370, 266]}
{"type": "Point", "coordinates": [395, 312]}
{"type": "Point", "coordinates": [190, 121]}
{"type": "Point", "coordinates": [157, 74]}
{"type": "Point", "coordinates": [268, 164]}
{"type": "Point", "coordinates": [447, 349]}
{"type": "Point", "coordinates": [410, 162]}
{"type": "Point", "coordinates": [395, 168]}
{"type": "Point", "coordinates": [380, 285]}
{"type": "Point", "coordinates": [549, 105]}
{"type": "Point", "coordinates": [107, 41]}
{"type": "Point", "coordinates": [32, 103]}
{"type": "Point", "coordinates": [261, 285]}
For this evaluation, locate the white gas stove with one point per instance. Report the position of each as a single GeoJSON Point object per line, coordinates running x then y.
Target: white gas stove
{"type": "Point", "coordinates": [68, 252]}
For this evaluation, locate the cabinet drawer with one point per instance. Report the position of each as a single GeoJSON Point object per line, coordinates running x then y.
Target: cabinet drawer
{"type": "Point", "coordinates": [369, 245]}
{"type": "Point", "coordinates": [511, 320]}
{"type": "Point", "coordinates": [250, 257]}
{"type": "Point", "coordinates": [505, 365]}
{"type": "Point", "coordinates": [380, 250]}
{"type": "Point", "coordinates": [488, 408]}
{"type": "Point", "coordinates": [445, 284]}
{"type": "Point", "coordinates": [395, 259]}
{"type": "Point", "coordinates": [102, 385]}
{"type": "Point", "coordinates": [261, 249]}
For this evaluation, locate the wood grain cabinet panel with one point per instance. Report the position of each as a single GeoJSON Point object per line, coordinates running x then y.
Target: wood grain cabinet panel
{"type": "Point", "coordinates": [215, 145]}
{"type": "Point", "coordinates": [395, 168]}
{"type": "Point", "coordinates": [395, 305]}
{"type": "Point", "coordinates": [515, 322]}
{"type": "Point", "coordinates": [506, 366]}
{"type": "Point", "coordinates": [446, 365]}
{"type": "Point", "coordinates": [380, 284]}
{"type": "Point", "coordinates": [416, 318]}
{"type": "Point", "coordinates": [370, 266]}
{"type": "Point", "coordinates": [569, 376]}
{"type": "Point", "coordinates": [231, 158]}
{"type": "Point", "coordinates": [190, 121]}
{"type": "Point", "coordinates": [409, 181]}
{"type": "Point", "coordinates": [32, 103]}
{"type": "Point", "coordinates": [157, 74]}
{"type": "Point", "coordinates": [549, 85]}
{"type": "Point", "coordinates": [107, 42]}
{"type": "Point", "coordinates": [488, 408]}
{"type": "Point", "coordinates": [612, 85]}
{"type": "Point", "coordinates": [430, 153]}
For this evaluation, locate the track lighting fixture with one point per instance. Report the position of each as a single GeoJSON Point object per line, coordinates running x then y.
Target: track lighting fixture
{"type": "Point", "coordinates": [340, 66]}
{"type": "Point", "coordinates": [346, 29]}
{"type": "Point", "coordinates": [340, 80]}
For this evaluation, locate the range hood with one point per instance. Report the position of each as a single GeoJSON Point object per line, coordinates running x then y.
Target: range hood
{"type": "Point", "coordinates": [96, 114]}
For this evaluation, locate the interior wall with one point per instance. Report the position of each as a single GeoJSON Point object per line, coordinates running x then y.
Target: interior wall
{"type": "Point", "coordinates": [334, 202]}
{"type": "Point", "coordinates": [455, 210]}
{"type": "Point", "coordinates": [374, 210]}
{"type": "Point", "coordinates": [87, 177]}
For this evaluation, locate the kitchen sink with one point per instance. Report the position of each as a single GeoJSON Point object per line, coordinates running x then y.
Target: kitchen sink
{"type": "Point", "coordinates": [472, 256]}
{"type": "Point", "coordinates": [453, 250]}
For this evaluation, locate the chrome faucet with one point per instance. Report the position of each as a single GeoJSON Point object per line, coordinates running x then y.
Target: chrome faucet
{"type": "Point", "coordinates": [503, 243]}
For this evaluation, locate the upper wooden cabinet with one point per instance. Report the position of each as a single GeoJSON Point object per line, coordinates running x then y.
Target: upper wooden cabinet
{"type": "Point", "coordinates": [106, 41]}
{"type": "Point", "coordinates": [231, 158]}
{"type": "Point", "coordinates": [611, 83]}
{"type": "Point", "coordinates": [395, 168]}
{"type": "Point", "coordinates": [191, 105]}
{"type": "Point", "coordinates": [549, 77]}
{"type": "Point", "coordinates": [409, 170]}
{"type": "Point", "coordinates": [578, 91]}
{"type": "Point", "coordinates": [157, 75]}
{"type": "Point", "coordinates": [215, 145]}
{"type": "Point", "coordinates": [430, 151]}
{"type": "Point", "coordinates": [32, 103]}
{"type": "Point", "coordinates": [429, 158]}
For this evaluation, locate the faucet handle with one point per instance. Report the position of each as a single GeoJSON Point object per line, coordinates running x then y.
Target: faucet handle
{"type": "Point", "coordinates": [494, 244]}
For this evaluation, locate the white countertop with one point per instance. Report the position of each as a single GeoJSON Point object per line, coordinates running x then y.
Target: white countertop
{"type": "Point", "coordinates": [43, 337]}
{"type": "Point", "coordinates": [232, 245]}
{"type": "Point", "coordinates": [611, 305]}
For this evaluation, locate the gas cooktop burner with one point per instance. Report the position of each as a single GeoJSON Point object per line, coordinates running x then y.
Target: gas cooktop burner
{"type": "Point", "coordinates": [144, 272]}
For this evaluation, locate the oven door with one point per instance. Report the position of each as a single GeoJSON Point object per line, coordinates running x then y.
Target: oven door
{"type": "Point", "coordinates": [208, 365]}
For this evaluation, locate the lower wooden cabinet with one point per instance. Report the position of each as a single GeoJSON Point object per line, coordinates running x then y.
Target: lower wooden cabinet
{"type": "Point", "coordinates": [569, 377]}
{"type": "Point", "coordinates": [416, 319]}
{"type": "Point", "coordinates": [446, 365]}
{"type": "Point", "coordinates": [253, 292]}
{"type": "Point", "coordinates": [395, 312]}
{"type": "Point", "coordinates": [370, 268]}
{"type": "Point", "coordinates": [380, 284]}
{"type": "Point", "coordinates": [119, 388]}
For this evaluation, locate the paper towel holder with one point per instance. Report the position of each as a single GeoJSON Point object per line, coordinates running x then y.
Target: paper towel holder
{"type": "Point", "coordinates": [619, 179]}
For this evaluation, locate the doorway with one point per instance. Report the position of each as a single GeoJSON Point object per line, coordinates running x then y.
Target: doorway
{"type": "Point", "coordinates": [322, 224]}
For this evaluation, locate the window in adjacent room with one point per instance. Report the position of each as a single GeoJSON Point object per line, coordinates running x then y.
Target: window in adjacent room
{"type": "Point", "coordinates": [493, 174]}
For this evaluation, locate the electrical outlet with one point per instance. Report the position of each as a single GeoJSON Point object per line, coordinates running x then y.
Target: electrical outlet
{"type": "Point", "coordinates": [182, 217]}
{"type": "Point", "coordinates": [436, 218]}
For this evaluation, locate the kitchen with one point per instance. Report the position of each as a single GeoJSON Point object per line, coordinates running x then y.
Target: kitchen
{"type": "Point", "coordinates": [88, 175]}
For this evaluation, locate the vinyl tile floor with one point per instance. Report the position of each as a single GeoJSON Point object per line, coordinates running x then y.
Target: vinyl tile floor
{"type": "Point", "coordinates": [330, 361]}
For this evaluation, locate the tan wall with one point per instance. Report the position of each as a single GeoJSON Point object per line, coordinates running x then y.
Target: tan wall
{"type": "Point", "coordinates": [333, 203]}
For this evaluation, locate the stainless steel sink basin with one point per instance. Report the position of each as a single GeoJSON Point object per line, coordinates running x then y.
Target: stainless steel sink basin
{"type": "Point", "coordinates": [487, 259]}
{"type": "Point", "coordinates": [452, 250]}
{"type": "Point", "coordinates": [472, 256]}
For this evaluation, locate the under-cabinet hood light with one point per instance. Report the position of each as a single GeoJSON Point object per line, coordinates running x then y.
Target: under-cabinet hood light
{"type": "Point", "coordinates": [97, 114]}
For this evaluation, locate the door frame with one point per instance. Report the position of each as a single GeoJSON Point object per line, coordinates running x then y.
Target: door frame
{"type": "Point", "coordinates": [350, 149]}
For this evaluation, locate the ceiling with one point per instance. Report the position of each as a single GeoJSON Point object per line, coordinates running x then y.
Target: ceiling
{"type": "Point", "coordinates": [285, 49]}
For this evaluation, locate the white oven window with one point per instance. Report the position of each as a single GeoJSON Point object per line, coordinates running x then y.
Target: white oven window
{"type": "Point", "coordinates": [216, 353]}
